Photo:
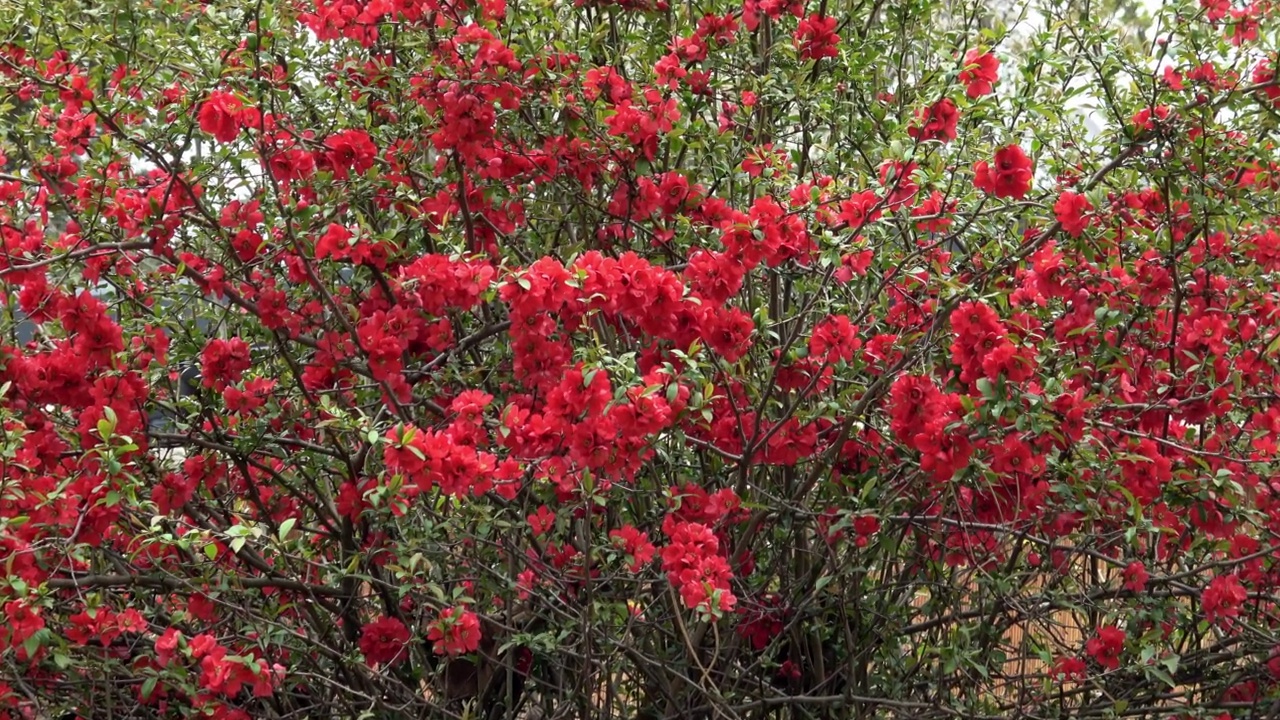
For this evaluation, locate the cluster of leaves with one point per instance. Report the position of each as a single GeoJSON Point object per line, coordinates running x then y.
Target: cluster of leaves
{"type": "Point", "coordinates": [417, 358]}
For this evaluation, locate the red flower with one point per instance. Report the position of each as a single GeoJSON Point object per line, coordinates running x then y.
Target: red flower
{"type": "Point", "coordinates": [1014, 456]}
{"type": "Point", "coordinates": [861, 208]}
{"type": "Point", "coordinates": [167, 646]}
{"type": "Point", "coordinates": [715, 276]}
{"type": "Point", "coordinates": [934, 210]}
{"type": "Point", "coordinates": [1068, 668]}
{"type": "Point", "coordinates": [1223, 598]}
{"type": "Point", "coordinates": [816, 37]}
{"type": "Point", "coordinates": [1135, 577]}
{"type": "Point", "coordinates": [455, 632]}
{"type": "Point", "coordinates": [912, 403]}
{"type": "Point", "coordinates": [852, 264]}
{"type": "Point", "coordinates": [1244, 25]}
{"type": "Point", "coordinates": [1008, 176]}
{"type": "Point", "coordinates": [981, 73]}
{"type": "Point", "coordinates": [897, 179]}
{"type": "Point", "coordinates": [728, 332]}
{"type": "Point", "coordinates": [606, 82]}
{"type": "Point", "coordinates": [21, 621]}
{"type": "Point", "coordinates": [350, 150]}
{"type": "Point", "coordinates": [1146, 475]}
{"type": "Point", "coordinates": [1215, 10]}
{"type": "Point", "coordinates": [224, 361]}
{"type": "Point", "coordinates": [384, 641]}
{"type": "Point", "coordinates": [1147, 118]}
{"type": "Point", "coordinates": [202, 645]}
{"type": "Point", "coordinates": [864, 526]}
{"type": "Point", "coordinates": [218, 673]}
{"type": "Point", "coordinates": [1106, 646]}
{"type": "Point", "coordinates": [335, 243]}
{"type": "Point", "coordinates": [541, 521]}
{"type": "Point", "coordinates": [635, 544]}
{"type": "Point", "coordinates": [1264, 75]}
{"type": "Point", "coordinates": [251, 398]}
{"type": "Point", "coordinates": [761, 621]}
{"type": "Point", "coordinates": [220, 116]}
{"type": "Point", "coordinates": [172, 491]}
{"type": "Point", "coordinates": [834, 339]}
{"type": "Point", "coordinates": [936, 122]}
{"type": "Point", "coordinates": [1072, 210]}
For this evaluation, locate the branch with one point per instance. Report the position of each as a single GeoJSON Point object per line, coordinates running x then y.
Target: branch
{"type": "Point", "coordinates": [106, 248]}
{"type": "Point", "coordinates": [162, 582]}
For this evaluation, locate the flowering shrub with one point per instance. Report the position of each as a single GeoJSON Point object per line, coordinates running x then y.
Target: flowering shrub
{"type": "Point", "coordinates": [639, 359]}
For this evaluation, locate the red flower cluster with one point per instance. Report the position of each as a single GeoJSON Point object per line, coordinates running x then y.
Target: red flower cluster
{"type": "Point", "coordinates": [349, 151]}
{"type": "Point", "coordinates": [635, 543]}
{"type": "Point", "coordinates": [980, 74]}
{"type": "Point", "coordinates": [1135, 577]}
{"type": "Point", "coordinates": [816, 38]}
{"type": "Point", "coordinates": [936, 122]}
{"type": "Point", "coordinates": [983, 347]}
{"type": "Point", "coordinates": [1223, 598]}
{"type": "Point", "coordinates": [835, 339]}
{"type": "Point", "coordinates": [21, 622]}
{"type": "Point", "coordinates": [862, 208]}
{"type": "Point", "coordinates": [762, 621]}
{"type": "Point", "coordinates": [224, 362]}
{"type": "Point", "coordinates": [1072, 211]}
{"type": "Point", "coordinates": [920, 417]}
{"type": "Point", "coordinates": [695, 566]}
{"type": "Point", "coordinates": [608, 308]}
{"type": "Point", "coordinates": [220, 116]}
{"type": "Point", "coordinates": [224, 674]}
{"type": "Point", "coordinates": [1007, 176]}
{"type": "Point", "coordinates": [1146, 472]}
{"type": "Point", "coordinates": [429, 459]}
{"type": "Point", "coordinates": [1106, 646]}
{"type": "Point", "coordinates": [456, 631]}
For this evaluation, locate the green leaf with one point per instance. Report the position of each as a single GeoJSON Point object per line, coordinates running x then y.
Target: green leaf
{"type": "Point", "coordinates": [285, 527]}
{"type": "Point", "coordinates": [32, 644]}
{"type": "Point", "coordinates": [1161, 674]}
